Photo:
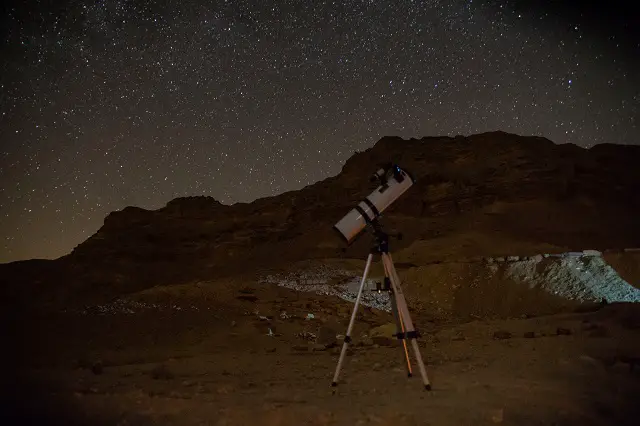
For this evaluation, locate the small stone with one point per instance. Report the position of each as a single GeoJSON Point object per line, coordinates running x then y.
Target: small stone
{"type": "Point", "coordinates": [83, 363]}
{"type": "Point", "coordinates": [344, 309]}
{"type": "Point", "coordinates": [563, 331]}
{"type": "Point", "coordinates": [97, 368]}
{"type": "Point", "coordinates": [300, 348]}
{"type": "Point", "coordinates": [327, 336]}
{"type": "Point", "coordinates": [501, 335]}
{"type": "Point", "coordinates": [382, 341]}
{"type": "Point", "coordinates": [161, 372]}
{"type": "Point", "coordinates": [374, 419]}
{"type": "Point", "coordinates": [387, 330]}
{"type": "Point", "coordinates": [497, 416]}
{"type": "Point", "coordinates": [222, 390]}
{"type": "Point", "coordinates": [365, 341]}
{"type": "Point", "coordinates": [588, 359]}
{"type": "Point", "coordinates": [458, 337]}
{"type": "Point", "coordinates": [631, 361]}
{"type": "Point", "coordinates": [247, 297]}
{"type": "Point", "coordinates": [306, 336]}
{"type": "Point", "coordinates": [529, 335]}
{"type": "Point", "coordinates": [599, 332]}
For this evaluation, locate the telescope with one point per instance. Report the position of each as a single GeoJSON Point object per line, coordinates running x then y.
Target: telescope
{"type": "Point", "coordinates": [394, 181]}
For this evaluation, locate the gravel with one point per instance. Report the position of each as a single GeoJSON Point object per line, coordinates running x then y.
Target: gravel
{"type": "Point", "coordinates": [329, 281]}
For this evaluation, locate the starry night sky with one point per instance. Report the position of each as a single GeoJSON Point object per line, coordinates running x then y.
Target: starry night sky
{"type": "Point", "coordinates": [110, 103]}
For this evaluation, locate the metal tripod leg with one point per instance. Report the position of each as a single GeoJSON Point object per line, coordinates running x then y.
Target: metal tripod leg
{"type": "Point", "coordinates": [399, 324]}
{"type": "Point", "coordinates": [347, 337]}
{"type": "Point", "coordinates": [404, 314]}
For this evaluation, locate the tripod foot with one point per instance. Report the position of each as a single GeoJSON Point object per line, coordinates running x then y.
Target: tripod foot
{"type": "Point", "coordinates": [427, 387]}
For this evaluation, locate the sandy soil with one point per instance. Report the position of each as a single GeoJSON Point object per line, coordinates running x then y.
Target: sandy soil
{"type": "Point", "coordinates": [627, 264]}
{"type": "Point", "coordinates": [212, 362]}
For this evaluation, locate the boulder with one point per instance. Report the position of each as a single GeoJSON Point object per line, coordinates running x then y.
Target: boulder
{"type": "Point", "coordinates": [366, 341]}
{"type": "Point", "coordinates": [383, 341]}
{"type": "Point", "coordinates": [387, 330]}
{"type": "Point", "coordinates": [326, 336]}
{"type": "Point", "coordinates": [501, 335]}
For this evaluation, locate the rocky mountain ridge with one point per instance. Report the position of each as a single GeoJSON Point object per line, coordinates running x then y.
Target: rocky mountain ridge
{"type": "Point", "coordinates": [491, 194]}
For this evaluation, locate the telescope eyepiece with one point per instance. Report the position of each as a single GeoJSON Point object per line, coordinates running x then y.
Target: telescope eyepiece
{"type": "Point", "coordinates": [379, 176]}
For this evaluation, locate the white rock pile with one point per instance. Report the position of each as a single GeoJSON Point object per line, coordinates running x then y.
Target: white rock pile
{"type": "Point", "coordinates": [582, 276]}
{"type": "Point", "coordinates": [330, 281]}
{"type": "Point", "coordinates": [586, 278]}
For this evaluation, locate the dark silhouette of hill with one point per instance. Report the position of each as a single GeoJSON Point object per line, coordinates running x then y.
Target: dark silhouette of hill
{"type": "Point", "coordinates": [494, 186]}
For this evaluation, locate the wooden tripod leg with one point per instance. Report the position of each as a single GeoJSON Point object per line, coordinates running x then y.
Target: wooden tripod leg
{"type": "Point", "coordinates": [403, 310]}
{"type": "Point", "coordinates": [398, 319]}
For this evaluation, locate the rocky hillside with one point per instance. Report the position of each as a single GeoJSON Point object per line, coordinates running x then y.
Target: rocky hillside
{"type": "Point", "coordinates": [491, 194]}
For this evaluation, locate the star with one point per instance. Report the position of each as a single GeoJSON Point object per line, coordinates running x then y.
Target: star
{"type": "Point", "coordinates": [115, 103]}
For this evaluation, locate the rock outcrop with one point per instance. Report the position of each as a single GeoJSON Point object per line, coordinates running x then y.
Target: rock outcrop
{"type": "Point", "coordinates": [481, 195]}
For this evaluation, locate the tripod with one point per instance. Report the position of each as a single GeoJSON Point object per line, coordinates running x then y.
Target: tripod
{"type": "Point", "coordinates": [404, 326]}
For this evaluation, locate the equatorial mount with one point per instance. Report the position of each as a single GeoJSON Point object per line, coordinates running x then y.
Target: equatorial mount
{"type": "Point", "coordinates": [380, 236]}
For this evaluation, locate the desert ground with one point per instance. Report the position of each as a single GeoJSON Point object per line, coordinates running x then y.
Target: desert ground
{"type": "Point", "coordinates": [243, 351]}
